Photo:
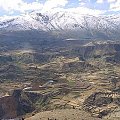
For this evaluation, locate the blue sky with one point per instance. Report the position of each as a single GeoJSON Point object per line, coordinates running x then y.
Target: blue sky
{"type": "Point", "coordinates": [94, 7]}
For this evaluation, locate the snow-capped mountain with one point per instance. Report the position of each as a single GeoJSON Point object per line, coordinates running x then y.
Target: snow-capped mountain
{"type": "Point", "coordinates": [66, 23]}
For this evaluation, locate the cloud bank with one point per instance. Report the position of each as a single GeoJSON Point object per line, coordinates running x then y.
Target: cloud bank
{"type": "Point", "coordinates": [93, 7]}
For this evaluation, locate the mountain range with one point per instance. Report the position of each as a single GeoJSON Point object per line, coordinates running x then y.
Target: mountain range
{"type": "Point", "coordinates": [69, 25]}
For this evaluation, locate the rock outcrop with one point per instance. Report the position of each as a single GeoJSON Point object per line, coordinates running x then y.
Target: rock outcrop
{"type": "Point", "coordinates": [101, 104]}
{"type": "Point", "coordinates": [15, 105]}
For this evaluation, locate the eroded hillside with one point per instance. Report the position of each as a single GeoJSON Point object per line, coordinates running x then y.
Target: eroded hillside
{"type": "Point", "coordinates": [61, 75]}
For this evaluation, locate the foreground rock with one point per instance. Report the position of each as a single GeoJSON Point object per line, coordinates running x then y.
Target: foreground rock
{"type": "Point", "coordinates": [101, 104]}
{"type": "Point", "coordinates": [15, 105]}
{"type": "Point", "coordinates": [64, 114]}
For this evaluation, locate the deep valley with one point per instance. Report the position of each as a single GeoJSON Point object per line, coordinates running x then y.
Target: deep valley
{"type": "Point", "coordinates": [78, 75]}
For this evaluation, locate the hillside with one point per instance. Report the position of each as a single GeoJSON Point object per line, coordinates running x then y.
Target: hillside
{"type": "Point", "coordinates": [52, 65]}
{"type": "Point", "coordinates": [78, 75]}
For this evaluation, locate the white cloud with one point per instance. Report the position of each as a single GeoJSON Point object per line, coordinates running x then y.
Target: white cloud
{"type": "Point", "coordinates": [100, 1]}
{"type": "Point", "coordinates": [58, 5]}
{"type": "Point", "coordinates": [31, 6]}
{"type": "Point", "coordinates": [19, 5]}
{"type": "Point", "coordinates": [84, 6]}
{"type": "Point", "coordinates": [115, 6]}
{"type": "Point", "coordinates": [83, 2]}
{"type": "Point", "coordinates": [78, 10]}
{"type": "Point", "coordinates": [10, 5]}
{"type": "Point", "coordinates": [50, 4]}
{"type": "Point", "coordinates": [111, 1]}
{"type": "Point", "coordinates": [85, 10]}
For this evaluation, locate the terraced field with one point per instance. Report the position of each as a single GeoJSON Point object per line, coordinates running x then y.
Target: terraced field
{"type": "Point", "coordinates": [62, 82]}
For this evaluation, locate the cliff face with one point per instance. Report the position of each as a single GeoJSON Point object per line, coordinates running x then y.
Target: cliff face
{"type": "Point", "coordinates": [15, 105]}
{"type": "Point", "coordinates": [101, 104]}
{"type": "Point", "coordinates": [20, 103]}
{"type": "Point", "coordinates": [8, 107]}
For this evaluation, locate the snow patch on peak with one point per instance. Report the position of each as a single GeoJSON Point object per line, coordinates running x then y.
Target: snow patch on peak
{"type": "Point", "coordinates": [89, 25]}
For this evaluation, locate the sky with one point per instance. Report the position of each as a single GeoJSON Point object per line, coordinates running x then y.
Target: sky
{"type": "Point", "coordinates": [93, 7]}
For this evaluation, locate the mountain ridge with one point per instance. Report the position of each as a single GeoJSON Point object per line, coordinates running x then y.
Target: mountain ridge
{"type": "Point", "coordinates": [66, 24]}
